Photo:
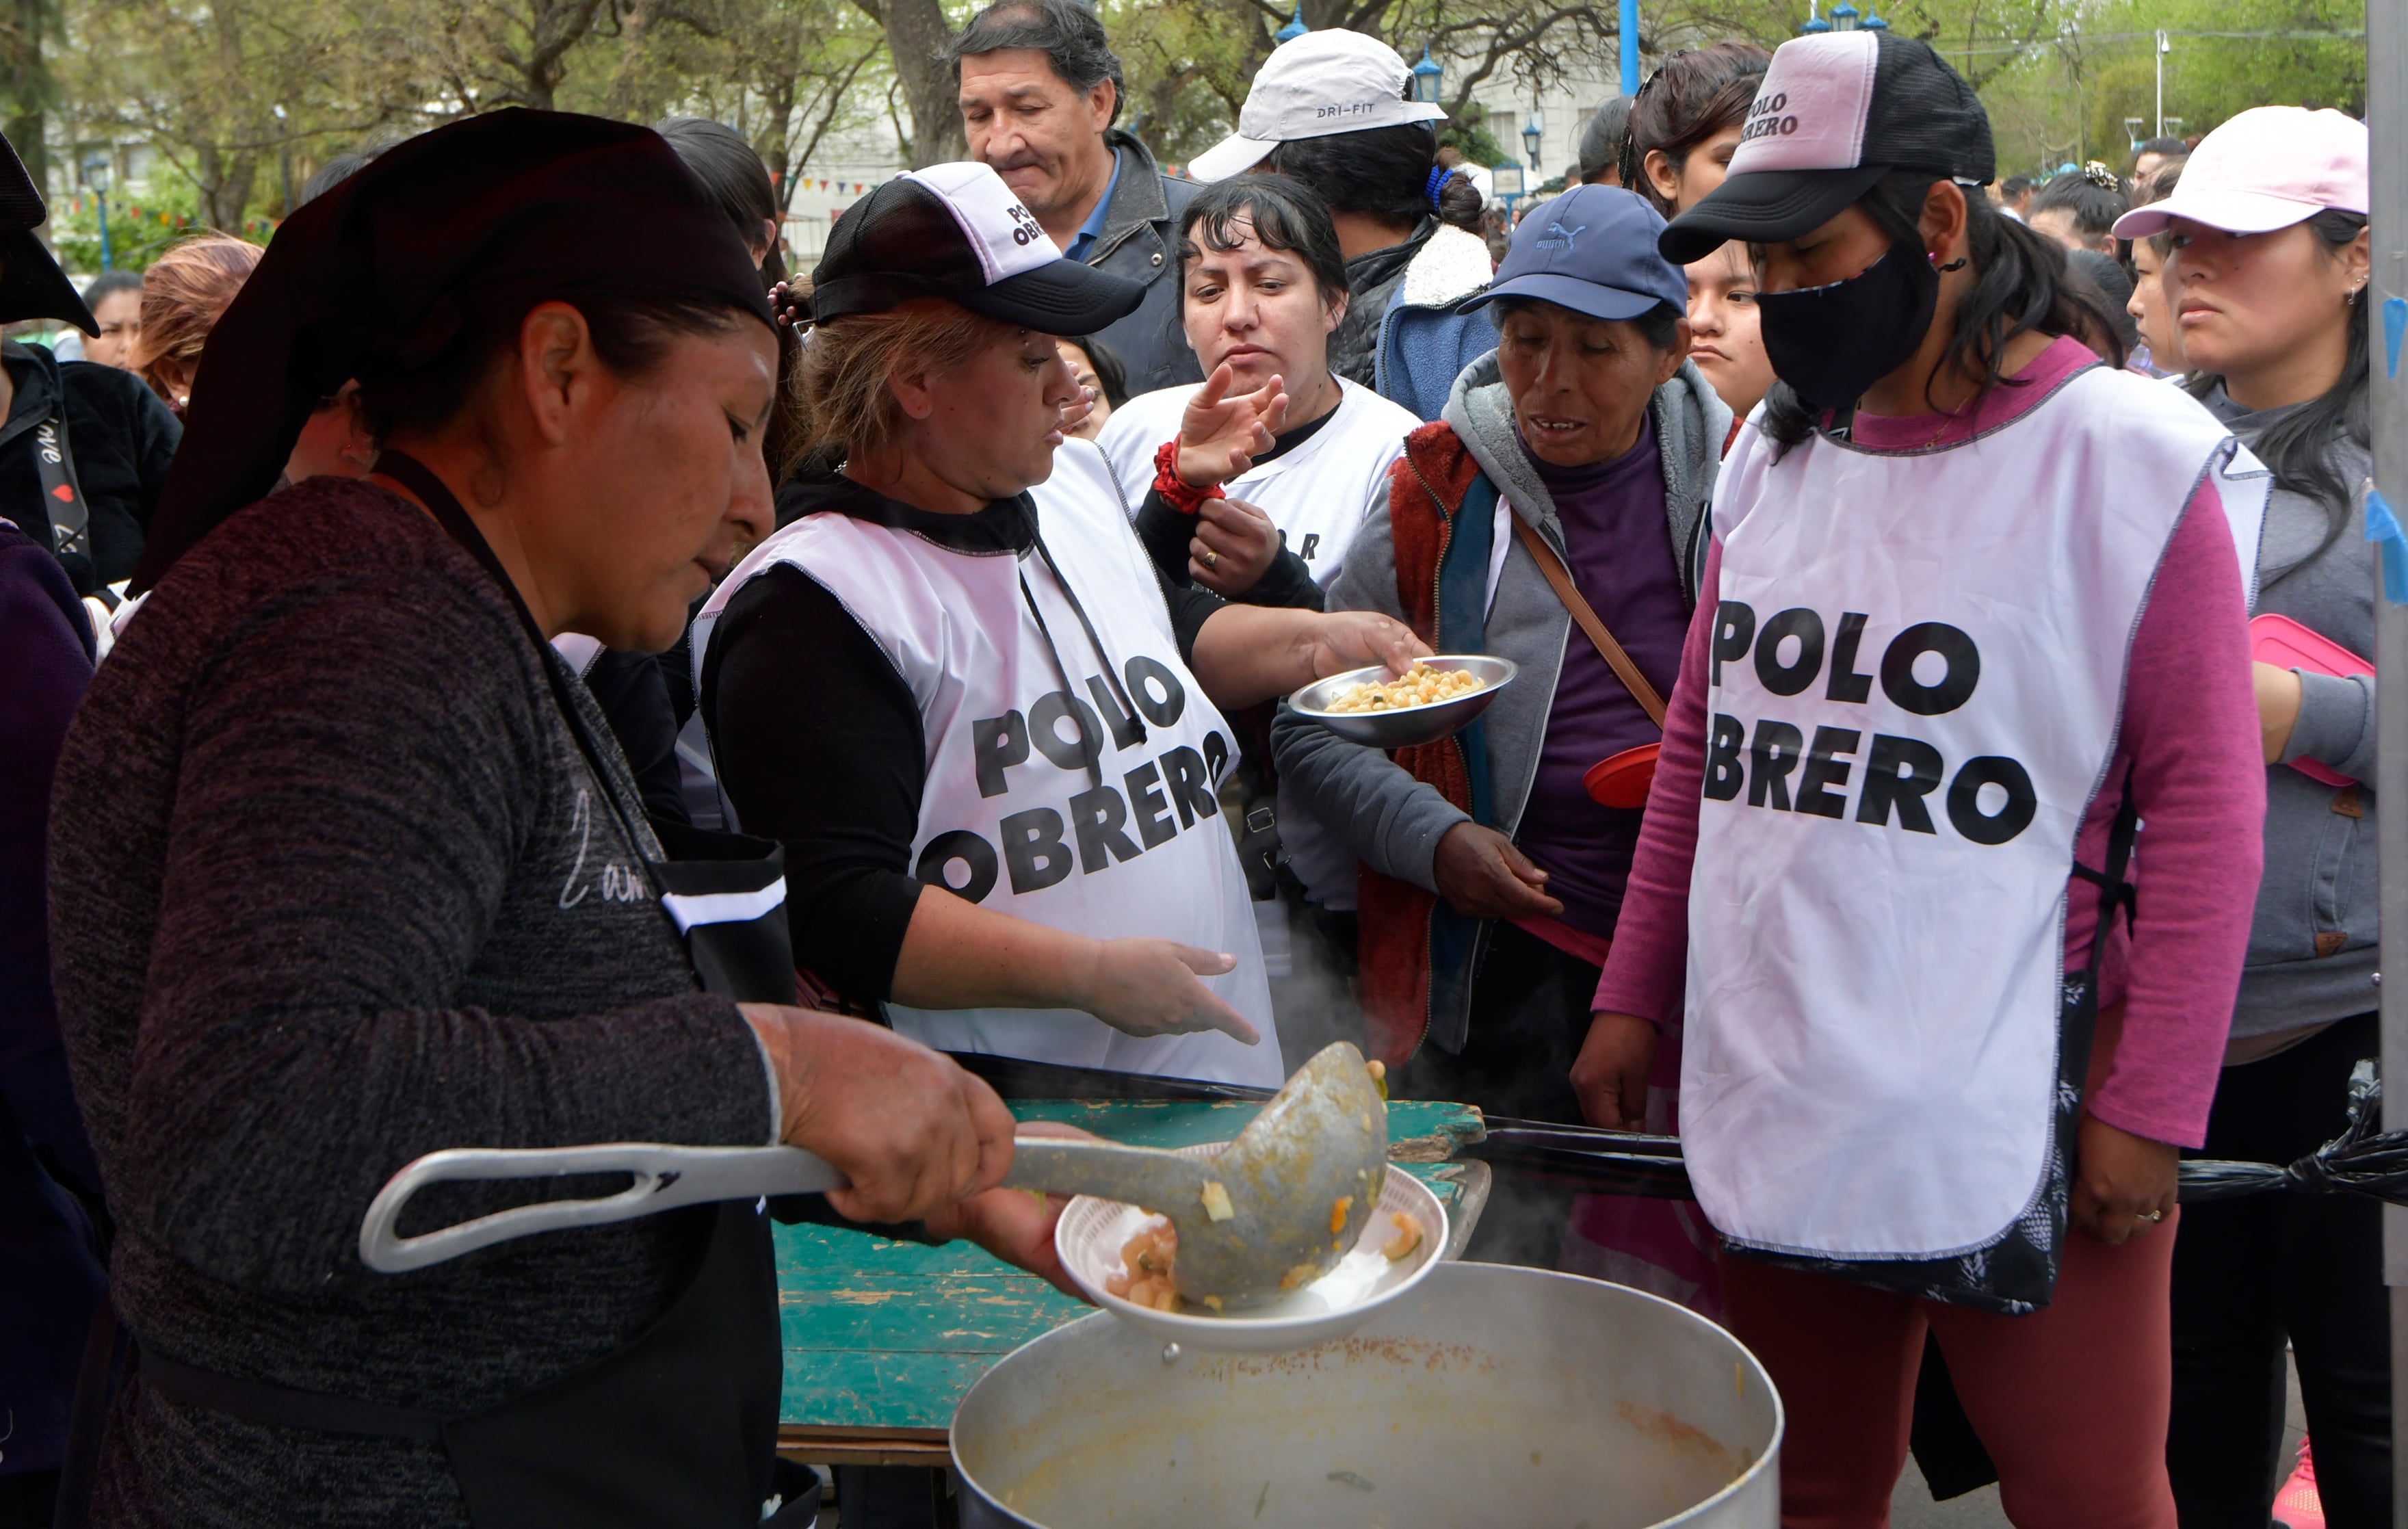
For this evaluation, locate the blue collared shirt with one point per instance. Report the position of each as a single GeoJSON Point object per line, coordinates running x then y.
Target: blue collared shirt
{"type": "Point", "coordinates": [1092, 228]}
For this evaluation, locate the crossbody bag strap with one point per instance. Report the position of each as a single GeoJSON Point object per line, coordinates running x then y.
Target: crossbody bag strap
{"type": "Point", "coordinates": [63, 495]}
{"type": "Point", "coordinates": [1560, 580]}
{"type": "Point", "coordinates": [2114, 890]}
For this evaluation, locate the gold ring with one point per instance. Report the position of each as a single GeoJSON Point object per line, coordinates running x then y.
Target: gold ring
{"type": "Point", "coordinates": [1211, 558]}
{"type": "Point", "coordinates": [2154, 1217]}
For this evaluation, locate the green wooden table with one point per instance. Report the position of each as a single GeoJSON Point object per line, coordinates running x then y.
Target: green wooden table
{"type": "Point", "coordinates": [883, 1338]}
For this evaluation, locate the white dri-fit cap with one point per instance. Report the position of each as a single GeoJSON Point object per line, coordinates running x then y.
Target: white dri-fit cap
{"type": "Point", "coordinates": [1310, 87]}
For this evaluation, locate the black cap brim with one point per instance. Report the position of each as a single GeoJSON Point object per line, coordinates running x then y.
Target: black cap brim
{"type": "Point", "coordinates": [32, 286]}
{"type": "Point", "coordinates": [1061, 298]}
{"type": "Point", "coordinates": [1064, 297]}
{"type": "Point", "coordinates": [1764, 208]}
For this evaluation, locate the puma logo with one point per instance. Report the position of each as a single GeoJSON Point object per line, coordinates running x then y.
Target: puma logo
{"type": "Point", "coordinates": [1560, 237]}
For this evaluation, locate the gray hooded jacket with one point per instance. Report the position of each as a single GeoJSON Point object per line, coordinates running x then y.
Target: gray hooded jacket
{"type": "Point", "coordinates": [2311, 945]}
{"type": "Point", "coordinates": [1393, 821]}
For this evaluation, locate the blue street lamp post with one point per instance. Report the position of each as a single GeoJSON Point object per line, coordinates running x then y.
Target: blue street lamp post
{"type": "Point", "coordinates": [1630, 47]}
{"type": "Point", "coordinates": [1844, 18]}
{"type": "Point", "coordinates": [1295, 28]}
{"type": "Point", "coordinates": [95, 175]}
{"type": "Point", "coordinates": [1427, 74]}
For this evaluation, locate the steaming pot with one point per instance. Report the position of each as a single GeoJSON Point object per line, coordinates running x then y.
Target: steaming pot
{"type": "Point", "coordinates": [1490, 1396]}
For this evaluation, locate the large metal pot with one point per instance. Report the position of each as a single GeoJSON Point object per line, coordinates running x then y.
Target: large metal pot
{"type": "Point", "coordinates": [1491, 1395]}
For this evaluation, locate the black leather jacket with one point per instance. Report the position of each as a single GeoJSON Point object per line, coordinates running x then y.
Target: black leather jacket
{"type": "Point", "coordinates": [1139, 240]}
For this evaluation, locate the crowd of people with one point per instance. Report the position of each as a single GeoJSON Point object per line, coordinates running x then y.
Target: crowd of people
{"type": "Point", "coordinates": [1894, 800]}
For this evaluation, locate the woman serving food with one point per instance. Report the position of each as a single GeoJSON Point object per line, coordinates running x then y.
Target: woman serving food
{"type": "Point", "coordinates": [995, 773]}
{"type": "Point", "coordinates": [348, 872]}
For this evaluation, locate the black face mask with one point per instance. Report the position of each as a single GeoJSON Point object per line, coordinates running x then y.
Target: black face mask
{"type": "Point", "coordinates": [1832, 343]}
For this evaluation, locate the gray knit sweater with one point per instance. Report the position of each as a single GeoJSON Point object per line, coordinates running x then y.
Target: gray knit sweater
{"type": "Point", "coordinates": [2311, 945]}
{"type": "Point", "coordinates": [330, 888]}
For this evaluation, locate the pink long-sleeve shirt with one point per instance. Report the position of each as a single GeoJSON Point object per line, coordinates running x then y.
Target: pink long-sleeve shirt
{"type": "Point", "coordinates": [2190, 744]}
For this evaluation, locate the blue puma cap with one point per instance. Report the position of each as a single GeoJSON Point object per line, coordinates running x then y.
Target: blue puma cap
{"type": "Point", "coordinates": [1593, 251]}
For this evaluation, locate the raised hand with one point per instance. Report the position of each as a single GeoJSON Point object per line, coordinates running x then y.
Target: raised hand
{"type": "Point", "coordinates": [1222, 432]}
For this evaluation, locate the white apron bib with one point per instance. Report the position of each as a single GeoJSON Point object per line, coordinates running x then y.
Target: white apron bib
{"type": "Point", "coordinates": [1066, 807]}
{"type": "Point", "coordinates": [1916, 684]}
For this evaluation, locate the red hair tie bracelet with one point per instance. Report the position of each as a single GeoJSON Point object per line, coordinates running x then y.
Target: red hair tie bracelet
{"type": "Point", "coordinates": [1177, 492]}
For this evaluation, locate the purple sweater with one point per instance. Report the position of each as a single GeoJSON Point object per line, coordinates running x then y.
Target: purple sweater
{"type": "Point", "coordinates": [1621, 561]}
{"type": "Point", "coordinates": [49, 1275]}
{"type": "Point", "coordinates": [2190, 745]}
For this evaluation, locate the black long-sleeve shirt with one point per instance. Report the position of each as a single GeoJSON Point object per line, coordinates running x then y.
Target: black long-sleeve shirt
{"type": "Point", "coordinates": [1165, 533]}
{"type": "Point", "coordinates": [818, 744]}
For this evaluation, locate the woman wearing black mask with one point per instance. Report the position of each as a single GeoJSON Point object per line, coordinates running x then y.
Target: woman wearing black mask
{"type": "Point", "coordinates": [1973, 608]}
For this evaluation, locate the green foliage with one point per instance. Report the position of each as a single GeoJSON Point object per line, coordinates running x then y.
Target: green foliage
{"type": "Point", "coordinates": [2298, 56]}
{"type": "Point", "coordinates": [1188, 66]}
{"type": "Point", "coordinates": [1478, 144]}
{"type": "Point", "coordinates": [201, 80]}
{"type": "Point", "coordinates": [141, 229]}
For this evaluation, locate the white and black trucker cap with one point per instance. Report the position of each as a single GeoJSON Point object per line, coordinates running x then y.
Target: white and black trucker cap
{"type": "Point", "coordinates": [957, 232]}
{"type": "Point", "coordinates": [1835, 113]}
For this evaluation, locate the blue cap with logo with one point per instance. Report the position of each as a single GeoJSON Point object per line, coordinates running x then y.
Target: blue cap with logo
{"type": "Point", "coordinates": [1591, 250]}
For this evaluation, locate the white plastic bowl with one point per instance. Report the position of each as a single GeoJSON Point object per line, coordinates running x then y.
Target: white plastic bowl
{"type": "Point", "coordinates": [1092, 1233]}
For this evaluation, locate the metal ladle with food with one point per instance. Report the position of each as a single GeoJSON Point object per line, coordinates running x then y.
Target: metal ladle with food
{"type": "Point", "coordinates": [1264, 1214]}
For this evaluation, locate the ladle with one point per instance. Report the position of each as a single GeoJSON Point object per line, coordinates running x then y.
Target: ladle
{"type": "Point", "coordinates": [1277, 1209]}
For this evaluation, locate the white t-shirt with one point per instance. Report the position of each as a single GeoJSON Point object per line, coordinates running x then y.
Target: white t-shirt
{"type": "Point", "coordinates": [1318, 493]}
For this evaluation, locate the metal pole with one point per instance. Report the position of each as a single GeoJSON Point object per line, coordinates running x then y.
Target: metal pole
{"type": "Point", "coordinates": [2162, 45]}
{"type": "Point", "coordinates": [284, 158]}
{"type": "Point", "coordinates": [100, 199]}
{"type": "Point", "coordinates": [1630, 47]}
{"type": "Point", "coordinates": [2386, 100]}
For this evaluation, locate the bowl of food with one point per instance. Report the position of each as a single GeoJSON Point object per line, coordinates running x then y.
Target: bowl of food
{"type": "Point", "coordinates": [1121, 1255]}
{"type": "Point", "coordinates": [1438, 697]}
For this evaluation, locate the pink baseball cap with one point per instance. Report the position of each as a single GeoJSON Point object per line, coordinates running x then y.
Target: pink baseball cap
{"type": "Point", "coordinates": [2267, 168]}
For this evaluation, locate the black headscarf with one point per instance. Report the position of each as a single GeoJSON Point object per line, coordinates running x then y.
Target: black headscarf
{"type": "Point", "coordinates": [374, 279]}
{"type": "Point", "coordinates": [32, 286]}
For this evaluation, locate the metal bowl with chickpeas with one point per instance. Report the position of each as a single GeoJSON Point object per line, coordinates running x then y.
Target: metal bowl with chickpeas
{"type": "Point", "coordinates": [1375, 708]}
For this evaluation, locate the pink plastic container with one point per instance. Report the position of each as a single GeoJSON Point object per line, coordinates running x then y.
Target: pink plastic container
{"type": "Point", "coordinates": [2286, 645]}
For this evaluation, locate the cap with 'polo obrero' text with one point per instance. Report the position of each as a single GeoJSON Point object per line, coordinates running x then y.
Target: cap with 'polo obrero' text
{"type": "Point", "coordinates": [1835, 113]}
